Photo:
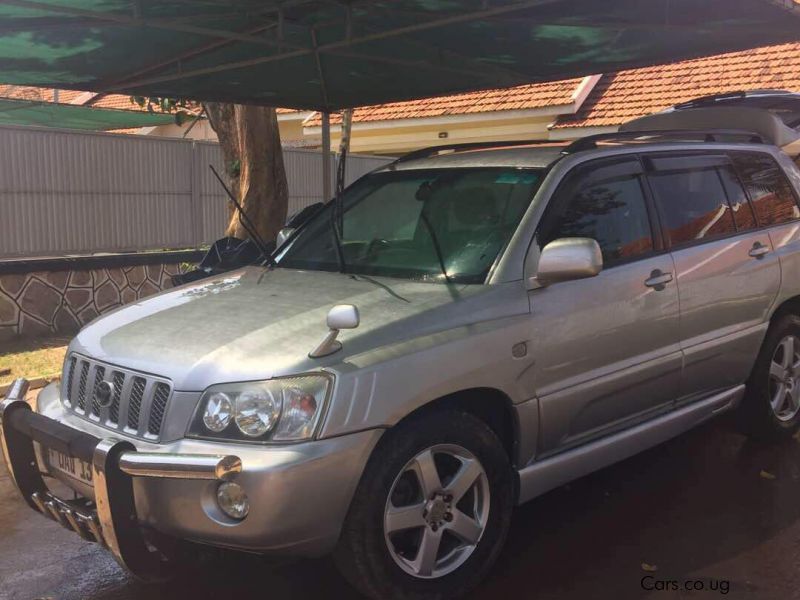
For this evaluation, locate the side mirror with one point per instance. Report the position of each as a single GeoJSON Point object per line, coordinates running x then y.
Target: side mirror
{"type": "Point", "coordinates": [341, 316]}
{"type": "Point", "coordinates": [567, 259]}
{"type": "Point", "coordinates": [283, 235]}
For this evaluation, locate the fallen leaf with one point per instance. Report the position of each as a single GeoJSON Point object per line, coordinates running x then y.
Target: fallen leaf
{"type": "Point", "coordinates": [649, 568]}
{"type": "Point", "coordinates": [767, 475]}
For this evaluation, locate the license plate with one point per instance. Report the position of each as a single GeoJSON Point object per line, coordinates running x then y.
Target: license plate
{"type": "Point", "coordinates": [70, 466]}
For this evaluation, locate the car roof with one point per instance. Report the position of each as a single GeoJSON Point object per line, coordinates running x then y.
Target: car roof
{"type": "Point", "coordinates": [514, 155]}
{"type": "Point", "coordinates": [784, 104]}
{"type": "Point", "coordinates": [543, 155]}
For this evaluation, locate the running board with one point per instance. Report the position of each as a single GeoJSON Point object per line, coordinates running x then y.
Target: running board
{"type": "Point", "coordinates": [543, 476]}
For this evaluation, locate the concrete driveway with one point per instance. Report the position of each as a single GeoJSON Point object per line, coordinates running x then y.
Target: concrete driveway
{"type": "Point", "coordinates": [697, 509]}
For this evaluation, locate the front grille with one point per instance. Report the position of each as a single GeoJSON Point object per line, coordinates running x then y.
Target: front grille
{"type": "Point", "coordinates": [137, 405]}
{"type": "Point", "coordinates": [81, 401]}
{"type": "Point", "coordinates": [135, 402]}
{"type": "Point", "coordinates": [158, 409]}
{"type": "Point", "coordinates": [113, 410]}
{"type": "Point", "coordinates": [99, 374]}
{"type": "Point", "coordinates": [70, 373]}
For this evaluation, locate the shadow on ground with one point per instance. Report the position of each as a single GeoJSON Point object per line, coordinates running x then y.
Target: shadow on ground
{"type": "Point", "coordinates": [696, 508]}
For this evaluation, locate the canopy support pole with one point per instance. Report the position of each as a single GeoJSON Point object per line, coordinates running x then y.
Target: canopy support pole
{"type": "Point", "coordinates": [326, 156]}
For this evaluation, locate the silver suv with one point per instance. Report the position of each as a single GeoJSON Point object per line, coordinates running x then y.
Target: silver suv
{"type": "Point", "coordinates": [472, 327]}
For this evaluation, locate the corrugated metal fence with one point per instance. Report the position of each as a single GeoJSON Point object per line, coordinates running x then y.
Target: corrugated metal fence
{"type": "Point", "coordinates": [67, 192]}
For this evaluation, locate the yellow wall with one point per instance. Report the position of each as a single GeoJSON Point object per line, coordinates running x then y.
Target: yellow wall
{"type": "Point", "coordinates": [397, 137]}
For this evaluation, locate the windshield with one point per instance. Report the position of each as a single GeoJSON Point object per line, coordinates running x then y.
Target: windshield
{"type": "Point", "coordinates": [420, 224]}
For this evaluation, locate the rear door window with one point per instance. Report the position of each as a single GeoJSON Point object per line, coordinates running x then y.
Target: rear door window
{"type": "Point", "coordinates": [770, 192]}
{"type": "Point", "coordinates": [743, 214]}
{"type": "Point", "coordinates": [691, 197]}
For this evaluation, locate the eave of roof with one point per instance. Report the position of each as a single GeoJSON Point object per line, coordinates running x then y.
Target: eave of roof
{"type": "Point", "coordinates": [546, 99]}
{"type": "Point", "coordinates": [626, 95]}
{"type": "Point", "coordinates": [70, 116]}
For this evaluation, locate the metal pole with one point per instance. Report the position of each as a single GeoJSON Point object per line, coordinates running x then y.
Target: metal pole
{"type": "Point", "coordinates": [326, 156]}
{"type": "Point", "coordinates": [344, 148]}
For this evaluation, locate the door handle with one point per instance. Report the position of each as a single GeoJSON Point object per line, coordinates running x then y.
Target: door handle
{"type": "Point", "coordinates": [759, 250]}
{"type": "Point", "coordinates": [658, 280]}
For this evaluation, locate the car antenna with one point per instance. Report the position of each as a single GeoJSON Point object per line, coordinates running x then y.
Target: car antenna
{"type": "Point", "coordinates": [246, 222]}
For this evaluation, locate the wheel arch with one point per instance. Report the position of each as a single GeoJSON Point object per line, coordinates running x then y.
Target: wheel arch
{"type": "Point", "coordinates": [490, 405]}
{"type": "Point", "coordinates": [788, 306]}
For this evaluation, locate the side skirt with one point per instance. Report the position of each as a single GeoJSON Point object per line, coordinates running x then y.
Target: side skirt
{"type": "Point", "coordinates": [543, 476]}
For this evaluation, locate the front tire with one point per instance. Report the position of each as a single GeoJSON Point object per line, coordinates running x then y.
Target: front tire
{"type": "Point", "coordinates": [770, 410]}
{"type": "Point", "coordinates": [431, 512]}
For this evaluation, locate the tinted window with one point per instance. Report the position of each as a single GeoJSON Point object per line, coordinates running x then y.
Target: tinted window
{"type": "Point", "coordinates": [611, 211]}
{"type": "Point", "coordinates": [693, 205]}
{"type": "Point", "coordinates": [415, 224]}
{"type": "Point", "coordinates": [742, 210]}
{"type": "Point", "coordinates": [768, 187]}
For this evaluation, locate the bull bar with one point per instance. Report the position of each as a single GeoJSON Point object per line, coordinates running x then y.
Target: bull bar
{"type": "Point", "coordinates": [111, 519]}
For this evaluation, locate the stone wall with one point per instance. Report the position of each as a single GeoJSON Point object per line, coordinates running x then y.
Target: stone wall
{"type": "Point", "coordinates": [46, 302]}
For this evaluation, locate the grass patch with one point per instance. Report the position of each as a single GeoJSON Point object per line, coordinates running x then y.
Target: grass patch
{"type": "Point", "coordinates": [31, 358]}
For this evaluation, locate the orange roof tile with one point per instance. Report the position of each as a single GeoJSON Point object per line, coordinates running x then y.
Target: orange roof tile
{"type": "Point", "coordinates": [626, 95]}
{"type": "Point", "coordinates": [539, 95]}
{"type": "Point", "coordinates": [25, 92]}
{"type": "Point", "coordinates": [119, 101]}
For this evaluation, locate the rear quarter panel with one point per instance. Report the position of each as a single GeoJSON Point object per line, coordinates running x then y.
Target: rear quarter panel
{"type": "Point", "coordinates": [786, 239]}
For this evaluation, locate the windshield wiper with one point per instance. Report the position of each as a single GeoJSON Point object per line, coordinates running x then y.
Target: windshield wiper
{"type": "Point", "coordinates": [389, 290]}
{"type": "Point", "coordinates": [436, 246]}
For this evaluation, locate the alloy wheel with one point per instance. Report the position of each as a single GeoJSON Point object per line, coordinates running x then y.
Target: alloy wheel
{"type": "Point", "coordinates": [437, 511]}
{"type": "Point", "coordinates": [784, 379]}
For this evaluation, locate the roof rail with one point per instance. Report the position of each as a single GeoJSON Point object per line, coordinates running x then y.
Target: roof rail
{"type": "Point", "coordinates": [706, 100]}
{"type": "Point", "coordinates": [681, 135]}
{"type": "Point", "coordinates": [434, 150]}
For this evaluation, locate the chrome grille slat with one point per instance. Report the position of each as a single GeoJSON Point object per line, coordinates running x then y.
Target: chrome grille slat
{"type": "Point", "coordinates": [135, 402]}
{"type": "Point", "coordinates": [99, 374]}
{"type": "Point", "coordinates": [118, 379]}
{"type": "Point", "coordinates": [70, 377]}
{"type": "Point", "coordinates": [81, 404]}
{"type": "Point", "coordinates": [138, 405]}
{"type": "Point", "coordinates": [158, 408]}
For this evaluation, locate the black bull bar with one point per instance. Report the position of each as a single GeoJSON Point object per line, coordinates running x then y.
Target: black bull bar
{"type": "Point", "coordinates": [111, 519]}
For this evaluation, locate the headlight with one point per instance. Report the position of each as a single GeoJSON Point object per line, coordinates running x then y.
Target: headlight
{"type": "Point", "coordinates": [257, 411]}
{"type": "Point", "coordinates": [218, 413]}
{"type": "Point", "coordinates": [278, 410]}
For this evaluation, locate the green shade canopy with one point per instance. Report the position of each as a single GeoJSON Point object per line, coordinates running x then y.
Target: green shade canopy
{"type": "Point", "coordinates": [47, 114]}
{"type": "Point", "coordinates": [330, 54]}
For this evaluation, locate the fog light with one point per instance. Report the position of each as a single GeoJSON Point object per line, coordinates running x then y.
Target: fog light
{"type": "Point", "coordinates": [232, 500]}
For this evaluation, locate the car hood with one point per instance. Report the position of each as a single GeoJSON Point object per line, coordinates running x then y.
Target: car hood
{"type": "Point", "coordinates": [258, 323]}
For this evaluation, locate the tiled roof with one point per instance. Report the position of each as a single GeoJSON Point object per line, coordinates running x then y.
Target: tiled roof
{"type": "Point", "coordinates": [118, 101]}
{"type": "Point", "coordinates": [24, 92]}
{"type": "Point", "coordinates": [540, 95]}
{"type": "Point", "coordinates": [626, 95]}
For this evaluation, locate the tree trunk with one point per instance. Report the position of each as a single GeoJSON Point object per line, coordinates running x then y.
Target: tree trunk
{"type": "Point", "coordinates": [251, 149]}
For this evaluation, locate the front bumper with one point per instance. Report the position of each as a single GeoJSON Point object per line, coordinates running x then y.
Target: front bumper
{"type": "Point", "coordinates": [299, 494]}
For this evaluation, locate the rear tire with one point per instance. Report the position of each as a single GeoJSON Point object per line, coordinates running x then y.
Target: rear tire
{"type": "Point", "coordinates": [450, 477]}
{"type": "Point", "coordinates": [770, 410]}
